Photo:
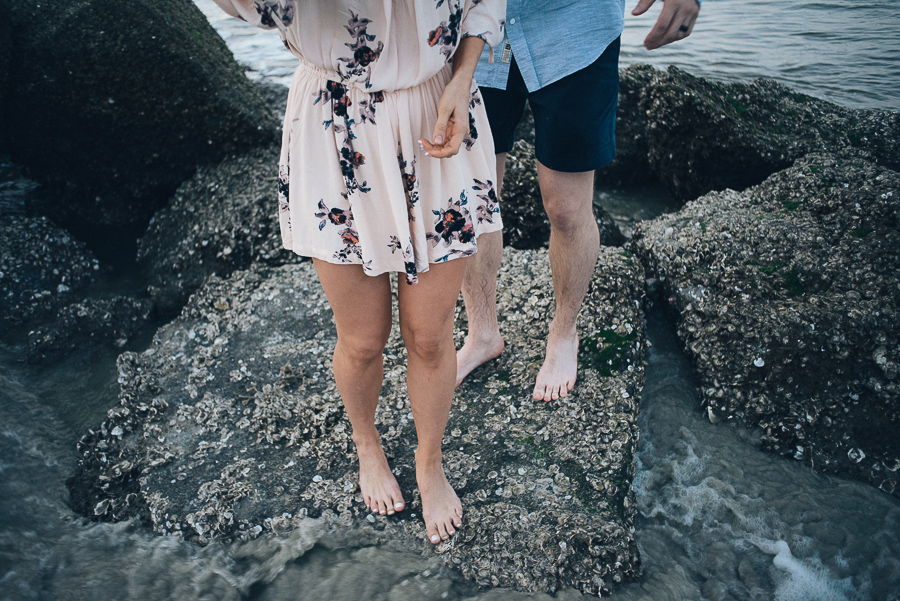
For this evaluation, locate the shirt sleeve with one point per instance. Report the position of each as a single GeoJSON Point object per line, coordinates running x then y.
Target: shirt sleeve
{"type": "Point", "coordinates": [484, 19]}
{"type": "Point", "coordinates": [268, 14]}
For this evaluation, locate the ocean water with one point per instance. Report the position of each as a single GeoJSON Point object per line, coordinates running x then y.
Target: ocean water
{"type": "Point", "coordinates": [717, 518]}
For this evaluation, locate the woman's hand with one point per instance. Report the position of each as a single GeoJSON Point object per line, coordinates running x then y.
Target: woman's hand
{"type": "Point", "coordinates": [452, 125]}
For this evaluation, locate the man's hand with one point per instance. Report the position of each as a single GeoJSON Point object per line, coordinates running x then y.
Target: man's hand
{"type": "Point", "coordinates": [675, 22]}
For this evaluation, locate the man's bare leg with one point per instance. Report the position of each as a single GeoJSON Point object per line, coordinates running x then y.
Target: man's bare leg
{"type": "Point", "coordinates": [574, 247]}
{"type": "Point", "coordinates": [479, 290]}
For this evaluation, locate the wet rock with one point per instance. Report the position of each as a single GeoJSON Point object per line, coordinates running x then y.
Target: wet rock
{"type": "Point", "coordinates": [87, 324]}
{"type": "Point", "coordinates": [230, 426]}
{"type": "Point", "coordinates": [41, 268]}
{"type": "Point", "coordinates": [630, 164]}
{"type": "Point", "coordinates": [221, 220]}
{"type": "Point", "coordinates": [703, 135]}
{"type": "Point", "coordinates": [5, 51]}
{"type": "Point", "coordinates": [274, 94]}
{"type": "Point", "coordinates": [788, 298]}
{"type": "Point", "coordinates": [525, 223]}
{"type": "Point", "coordinates": [81, 117]}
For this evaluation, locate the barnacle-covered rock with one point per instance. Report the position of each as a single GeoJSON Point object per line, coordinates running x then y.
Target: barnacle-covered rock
{"type": "Point", "coordinates": [221, 220]}
{"type": "Point", "coordinates": [630, 164]}
{"type": "Point", "coordinates": [703, 135]}
{"type": "Point", "coordinates": [41, 268]}
{"type": "Point", "coordinates": [107, 322]}
{"type": "Point", "coordinates": [788, 297]}
{"type": "Point", "coordinates": [230, 426]}
{"type": "Point", "coordinates": [112, 105]}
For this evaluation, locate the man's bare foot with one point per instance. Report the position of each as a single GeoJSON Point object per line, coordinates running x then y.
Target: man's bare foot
{"type": "Point", "coordinates": [441, 508]}
{"type": "Point", "coordinates": [557, 375]}
{"type": "Point", "coordinates": [475, 352]}
{"type": "Point", "coordinates": [379, 488]}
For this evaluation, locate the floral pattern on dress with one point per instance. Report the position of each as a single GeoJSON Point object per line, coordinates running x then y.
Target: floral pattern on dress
{"type": "Point", "coordinates": [367, 107]}
{"type": "Point", "coordinates": [350, 160]}
{"type": "Point", "coordinates": [344, 100]}
{"type": "Point", "coordinates": [446, 35]}
{"type": "Point", "coordinates": [341, 218]}
{"type": "Point", "coordinates": [410, 184]}
{"type": "Point", "coordinates": [489, 207]}
{"type": "Point", "coordinates": [336, 92]}
{"type": "Point", "coordinates": [472, 136]}
{"type": "Point", "coordinates": [453, 224]}
{"type": "Point", "coordinates": [335, 216]}
{"type": "Point", "coordinates": [412, 274]}
{"type": "Point", "coordinates": [363, 54]}
{"type": "Point", "coordinates": [284, 192]}
{"type": "Point", "coordinates": [272, 12]}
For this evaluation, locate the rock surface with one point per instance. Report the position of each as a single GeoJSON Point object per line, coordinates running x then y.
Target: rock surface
{"type": "Point", "coordinates": [630, 164]}
{"type": "Point", "coordinates": [41, 268]}
{"type": "Point", "coordinates": [525, 223]}
{"type": "Point", "coordinates": [230, 425]}
{"type": "Point", "coordinates": [788, 295]}
{"type": "Point", "coordinates": [221, 220]}
{"type": "Point", "coordinates": [86, 324]}
{"type": "Point", "coordinates": [81, 118]}
{"type": "Point", "coordinates": [703, 135]}
{"type": "Point", "coordinates": [5, 52]}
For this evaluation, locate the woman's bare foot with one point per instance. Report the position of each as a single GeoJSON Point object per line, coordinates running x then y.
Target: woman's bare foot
{"type": "Point", "coordinates": [476, 351]}
{"type": "Point", "coordinates": [441, 508]}
{"type": "Point", "coordinates": [379, 488]}
{"type": "Point", "coordinates": [557, 376]}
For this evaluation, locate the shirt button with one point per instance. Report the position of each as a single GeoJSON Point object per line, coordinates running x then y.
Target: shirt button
{"type": "Point", "coordinates": [512, 21]}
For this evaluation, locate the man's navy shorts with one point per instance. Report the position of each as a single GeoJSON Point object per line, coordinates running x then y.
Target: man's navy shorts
{"type": "Point", "coordinates": [574, 117]}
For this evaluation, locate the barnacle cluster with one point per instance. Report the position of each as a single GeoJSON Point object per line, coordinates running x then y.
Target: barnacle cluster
{"type": "Point", "coordinates": [788, 297]}
{"type": "Point", "coordinates": [230, 426]}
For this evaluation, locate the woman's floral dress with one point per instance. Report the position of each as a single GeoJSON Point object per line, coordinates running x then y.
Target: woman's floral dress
{"type": "Point", "coordinates": [355, 187]}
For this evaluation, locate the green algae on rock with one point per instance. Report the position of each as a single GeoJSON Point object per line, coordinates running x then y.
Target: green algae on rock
{"type": "Point", "coordinates": [230, 426]}
{"type": "Point", "coordinates": [788, 297]}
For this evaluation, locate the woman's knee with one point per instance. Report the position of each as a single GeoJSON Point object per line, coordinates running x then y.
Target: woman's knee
{"type": "Point", "coordinates": [429, 342]}
{"type": "Point", "coordinates": [362, 349]}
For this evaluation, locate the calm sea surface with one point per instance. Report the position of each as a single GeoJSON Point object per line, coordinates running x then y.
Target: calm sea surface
{"type": "Point", "coordinates": [717, 519]}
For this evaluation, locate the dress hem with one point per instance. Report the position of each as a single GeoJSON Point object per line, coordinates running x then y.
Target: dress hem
{"type": "Point", "coordinates": [315, 253]}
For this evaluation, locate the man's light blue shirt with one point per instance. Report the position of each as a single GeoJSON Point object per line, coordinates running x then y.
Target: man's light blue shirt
{"type": "Point", "coordinates": [551, 39]}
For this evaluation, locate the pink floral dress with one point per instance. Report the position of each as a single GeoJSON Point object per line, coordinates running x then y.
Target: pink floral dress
{"type": "Point", "coordinates": [355, 187]}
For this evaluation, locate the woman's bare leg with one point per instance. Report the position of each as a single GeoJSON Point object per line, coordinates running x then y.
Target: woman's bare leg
{"type": "Point", "coordinates": [362, 314]}
{"type": "Point", "coordinates": [426, 322]}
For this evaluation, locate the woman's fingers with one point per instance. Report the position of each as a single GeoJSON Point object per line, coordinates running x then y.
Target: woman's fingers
{"type": "Point", "coordinates": [452, 125]}
{"type": "Point", "coordinates": [440, 128]}
{"type": "Point", "coordinates": [452, 137]}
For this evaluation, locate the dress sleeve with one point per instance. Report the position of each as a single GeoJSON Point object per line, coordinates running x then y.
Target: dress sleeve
{"type": "Point", "coordinates": [268, 14]}
{"type": "Point", "coordinates": [484, 19]}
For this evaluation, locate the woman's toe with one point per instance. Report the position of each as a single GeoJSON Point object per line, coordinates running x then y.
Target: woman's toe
{"type": "Point", "coordinates": [433, 535]}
